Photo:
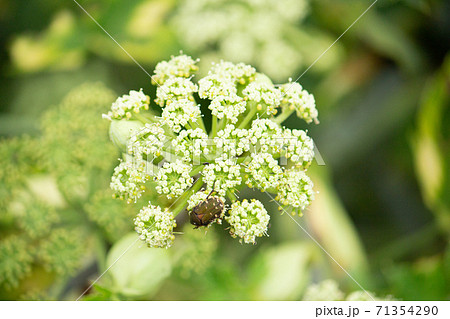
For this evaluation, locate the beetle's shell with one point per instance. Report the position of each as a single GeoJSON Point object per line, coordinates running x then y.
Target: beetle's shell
{"type": "Point", "coordinates": [207, 211]}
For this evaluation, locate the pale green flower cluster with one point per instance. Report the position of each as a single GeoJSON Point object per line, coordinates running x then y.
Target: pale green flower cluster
{"type": "Point", "coordinates": [124, 106]}
{"type": "Point", "coordinates": [256, 30]}
{"type": "Point", "coordinates": [328, 290]}
{"type": "Point", "coordinates": [175, 155]}
{"type": "Point", "coordinates": [248, 220]}
{"type": "Point", "coordinates": [155, 226]}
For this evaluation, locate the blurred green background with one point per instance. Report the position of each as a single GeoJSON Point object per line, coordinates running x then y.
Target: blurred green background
{"type": "Point", "coordinates": [382, 91]}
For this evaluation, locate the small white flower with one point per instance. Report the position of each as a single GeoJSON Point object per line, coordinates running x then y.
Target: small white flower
{"type": "Point", "coordinates": [230, 106]}
{"type": "Point", "coordinates": [298, 147]}
{"type": "Point", "coordinates": [191, 144]}
{"type": "Point", "coordinates": [266, 96]}
{"type": "Point", "coordinates": [214, 86]}
{"type": "Point", "coordinates": [239, 73]}
{"type": "Point", "coordinates": [327, 290]}
{"type": "Point", "coordinates": [178, 113]}
{"type": "Point", "coordinates": [224, 175]}
{"type": "Point", "coordinates": [149, 140]}
{"type": "Point", "coordinates": [264, 172]}
{"type": "Point", "coordinates": [175, 88]}
{"type": "Point", "coordinates": [155, 226]}
{"type": "Point", "coordinates": [232, 141]}
{"type": "Point", "coordinates": [266, 136]}
{"type": "Point", "coordinates": [178, 66]}
{"type": "Point", "coordinates": [295, 189]}
{"type": "Point", "coordinates": [127, 181]}
{"type": "Point", "coordinates": [295, 97]}
{"type": "Point", "coordinates": [248, 220]}
{"type": "Point", "coordinates": [173, 179]}
{"type": "Point", "coordinates": [123, 107]}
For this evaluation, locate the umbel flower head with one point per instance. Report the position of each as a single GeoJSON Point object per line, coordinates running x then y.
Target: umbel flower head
{"type": "Point", "coordinates": [197, 168]}
{"type": "Point", "coordinates": [248, 220]}
{"type": "Point", "coordinates": [155, 226]}
{"type": "Point", "coordinates": [264, 32]}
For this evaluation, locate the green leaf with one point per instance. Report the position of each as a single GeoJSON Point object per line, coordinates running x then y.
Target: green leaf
{"type": "Point", "coordinates": [431, 148]}
{"type": "Point", "coordinates": [423, 280]}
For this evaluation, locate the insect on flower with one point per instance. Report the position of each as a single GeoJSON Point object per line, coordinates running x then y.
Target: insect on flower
{"type": "Point", "coordinates": [207, 211]}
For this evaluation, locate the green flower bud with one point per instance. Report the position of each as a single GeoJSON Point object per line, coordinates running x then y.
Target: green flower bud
{"type": "Point", "coordinates": [261, 77]}
{"type": "Point", "coordinates": [121, 131]}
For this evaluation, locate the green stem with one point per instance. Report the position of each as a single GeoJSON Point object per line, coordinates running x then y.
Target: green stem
{"type": "Point", "coordinates": [192, 124]}
{"type": "Point", "coordinates": [248, 117]}
{"type": "Point", "coordinates": [231, 196]}
{"type": "Point", "coordinates": [283, 116]}
{"type": "Point", "coordinates": [201, 124]}
{"type": "Point", "coordinates": [145, 118]}
{"type": "Point", "coordinates": [170, 133]}
{"type": "Point", "coordinates": [222, 124]}
{"type": "Point", "coordinates": [213, 132]}
{"type": "Point", "coordinates": [197, 170]}
{"type": "Point", "coordinates": [243, 158]}
{"type": "Point", "coordinates": [182, 200]}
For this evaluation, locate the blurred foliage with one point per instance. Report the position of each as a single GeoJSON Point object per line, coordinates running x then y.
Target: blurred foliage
{"type": "Point", "coordinates": [53, 203]}
{"type": "Point", "coordinates": [264, 33]}
{"type": "Point", "coordinates": [431, 145]}
{"type": "Point", "coordinates": [383, 97]}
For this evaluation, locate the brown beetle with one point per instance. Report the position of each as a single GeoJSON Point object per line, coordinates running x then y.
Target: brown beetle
{"type": "Point", "coordinates": [207, 211]}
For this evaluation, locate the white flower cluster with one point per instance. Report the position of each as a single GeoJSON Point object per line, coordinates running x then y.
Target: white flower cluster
{"type": "Point", "coordinates": [240, 73]}
{"type": "Point", "coordinates": [295, 189]}
{"type": "Point", "coordinates": [266, 136]}
{"type": "Point", "coordinates": [246, 145]}
{"type": "Point", "coordinates": [220, 86]}
{"type": "Point", "coordinates": [264, 170]}
{"type": "Point", "coordinates": [179, 113]}
{"type": "Point", "coordinates": [155, 226]}
{"type": "Point", "coordinates": [222, 176]}
{"type": "Point", "coordinates": [216, 85]}
{"type": "Point", "coordinates": [173, 179]}
{"type": "Point", "coordinates": [149, 140]}
{"type": "Point", "coordinates": [262, 31]}
{"type": "Point", "coordinates": [232, 141]}
{"type": "Point", "coordinates": [229, 106]}
{"type": "Point", "coordinates": [196, 199]}
{"type": "Point", "coordinates": [123, 107]}
{"type": "Point", "coordinates": [266, 96]}
{"type": "Point", "coordinates": [178, 66]}
{"type": "Point", "coordinates": [248, 220]}
{"type": "Point", "coordinates": [191, 144]}
{"type": "Point", "coordinates": [295, 98]}
{"type": "Point", "coordinates": [297, 146]}
{"type": "Point", "coordinates": [128, 180]}
{"type": "Point", "coordinates": [173, 89]}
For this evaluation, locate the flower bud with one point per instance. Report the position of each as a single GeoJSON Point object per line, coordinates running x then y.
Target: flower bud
{"type": "Point", "coordinates": [121, 131]}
